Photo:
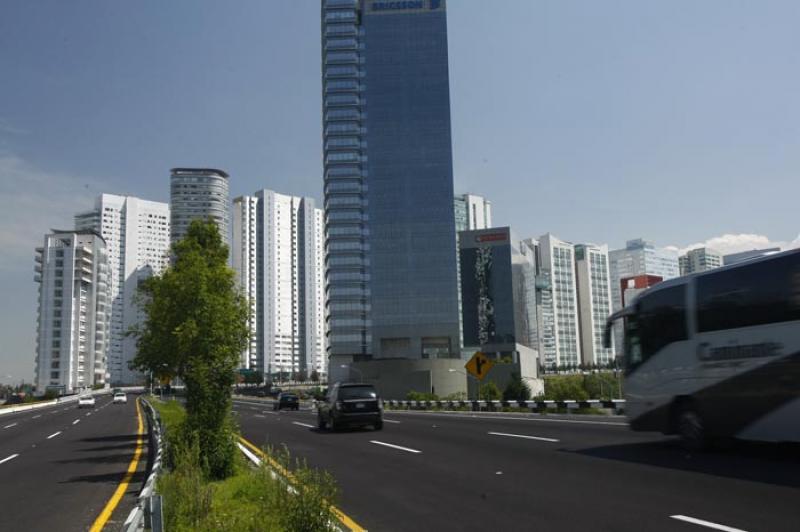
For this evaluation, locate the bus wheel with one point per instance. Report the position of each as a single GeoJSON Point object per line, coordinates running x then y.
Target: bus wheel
{"type": "Point", "coordinates": [691, 428]}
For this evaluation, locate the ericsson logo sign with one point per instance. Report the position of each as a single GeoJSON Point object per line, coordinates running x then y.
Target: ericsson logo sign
{"type": "Point", "coordinates": [405, 5]}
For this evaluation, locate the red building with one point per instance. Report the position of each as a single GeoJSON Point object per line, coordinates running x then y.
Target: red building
{"type": "Point", "coordinates": [630, 287]}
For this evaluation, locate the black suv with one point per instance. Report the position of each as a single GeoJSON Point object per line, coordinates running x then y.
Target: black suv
{"type": "Point", "coordinates": [349, 405]}
{"type": "Point", "coordinates": [286, 400]}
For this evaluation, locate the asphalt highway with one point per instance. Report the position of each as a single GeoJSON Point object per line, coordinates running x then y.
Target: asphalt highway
{"type": "Point", "coordinates": [59, 465]}
{"type": "Point", "coordinates": [465, 471]}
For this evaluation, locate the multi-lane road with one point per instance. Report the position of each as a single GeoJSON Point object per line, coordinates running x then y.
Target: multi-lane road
{"type": "Point", "coordinates": [438, 471]}
{"type": "Point", "coordinates": [60, 465]}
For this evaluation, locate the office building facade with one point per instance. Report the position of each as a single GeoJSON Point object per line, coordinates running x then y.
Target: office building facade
{"type": "Point", "coordinates": [136, 233]}
{"type": "Point", "coordinates": [390, 228]}
{"type": "Point", "coordinates": [277, 252]}
{"type": "Point", "coordinates": [699, 260]}
{"type": "Point", "coordinates": [594, 302]}
{"type": "Point", "coordinates": [638, 257]}
{"type": "Point", "coordinates": [198, 193]}
{"type": "Point", "coordinates": [73, 313]}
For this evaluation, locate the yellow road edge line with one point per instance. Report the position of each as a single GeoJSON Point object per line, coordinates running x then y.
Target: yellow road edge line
{"type": "Point", "coordinates": [345, 519]}
{"type": "Point", "coordinates": [112, 503]}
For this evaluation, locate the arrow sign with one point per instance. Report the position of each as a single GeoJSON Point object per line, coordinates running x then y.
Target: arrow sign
{"type": "Point", "coordinates": [479, 365]}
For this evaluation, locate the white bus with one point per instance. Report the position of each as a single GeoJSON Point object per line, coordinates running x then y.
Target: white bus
{"type": "Point", "coordinates": [717, 354]}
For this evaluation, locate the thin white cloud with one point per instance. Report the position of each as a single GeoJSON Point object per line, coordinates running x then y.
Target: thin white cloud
{"type": "Point", "coordinates": [7, 127]}
{"type": "Point", "coordinates": [734, 243]}
{"type": "Point", "coordinates": [32, 201]}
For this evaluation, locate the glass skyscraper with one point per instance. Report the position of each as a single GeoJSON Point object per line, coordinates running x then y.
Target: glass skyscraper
{"type": "Point", "coordinates": [390, 233]}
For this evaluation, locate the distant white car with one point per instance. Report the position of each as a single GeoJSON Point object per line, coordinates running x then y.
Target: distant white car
{"type": "Point", "coordinates": [86, 400]}
{"type": "Point", "coordinates": [120, 397]}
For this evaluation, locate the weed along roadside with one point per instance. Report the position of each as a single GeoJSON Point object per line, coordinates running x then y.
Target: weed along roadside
{"type": "Point", "coordinates": [271, 493]}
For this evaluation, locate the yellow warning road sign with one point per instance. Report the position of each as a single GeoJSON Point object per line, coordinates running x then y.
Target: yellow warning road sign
{"type": "Point", "coordinates": [479, 365]}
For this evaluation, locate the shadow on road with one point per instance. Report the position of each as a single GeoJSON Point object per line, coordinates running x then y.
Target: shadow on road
{"type": "Point", "coordinates": [102, 459]}
{"type": "Point", "coordinates": [103, 439]}
{"type": "Point", "coordinates": [108, 478]}
{"type": "Point", "coordinates": [130, 446]}
{"type": "Point", "coordinates": [767, 463]}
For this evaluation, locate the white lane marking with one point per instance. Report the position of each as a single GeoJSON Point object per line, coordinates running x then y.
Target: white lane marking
{"type": "Point", "coordinates": [708, 524]}
{"type": "Point", "coordinates": [34, 417]}
{"type": "Point", "coordinates": [53, 435]}
{"type": "Point", "coordinates": [401, 448]}
{"type": "Point", "coordinates": [6, 459]}
{"type": "Point", "coordinates": [9, 426]}
{"type": "Point", "coordinates": [522, 436]}
{"type": "Point", "coordinates": [270, 412]}
{"type": "Point", "coordinates": [76, 421]}
{"type": "Point", "coordinates": [88, 414]}
{"type": "Point", "coordinates": [390, 421]}
{"type": "Point", "coordinates": [259, 415]}
{"type": "Point", "coordinates": [253, 408]}
{"type": "Point", "coordinates": [302, 424]}
{"type": "Point", "coordinates": [517, 418]}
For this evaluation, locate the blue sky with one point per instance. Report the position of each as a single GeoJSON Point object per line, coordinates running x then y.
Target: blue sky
{"type": "Point", "coordinates": [677, 121]}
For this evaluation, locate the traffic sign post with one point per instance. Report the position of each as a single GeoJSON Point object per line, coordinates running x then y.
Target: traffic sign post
{"type": "Point", "coordinates": [478, 366]}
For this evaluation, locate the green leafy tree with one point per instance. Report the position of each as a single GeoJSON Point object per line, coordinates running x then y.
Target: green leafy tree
{"type": "Point", "coordinates": [195, 327]}
{"type": "Point", "coordinates": [490, 392]}
{"type": "Point", "coordinates": [517, 389]}
{"type": "Point", "coordinates": [565, 387]}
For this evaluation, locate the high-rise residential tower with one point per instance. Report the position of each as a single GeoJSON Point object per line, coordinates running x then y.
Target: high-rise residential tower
{"type": "Point", "coordinates": [72, 326]}
{"type": "Point", "coordinates": [699, 260]}
{"type": "Point", "coordinates": [390, 240]}
{"type": "Point", "coordinates": [558, 264]}
{"type": "Point", "coordinates": [198, 193]}
{"type": "Point", "coordinates": [277, 253]}
{"type": "Point", "coordinates": [136, 233]}
{"type": "Point", "coordinates": [594, 302]}
{"type": "Point", "coordinates": [472, 212]}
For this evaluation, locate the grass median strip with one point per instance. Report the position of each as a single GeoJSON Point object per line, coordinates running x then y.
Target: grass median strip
{"type": "Point", "coordinates": [281, 470]}
{"type": "Point", "coordinates": [251, 499]}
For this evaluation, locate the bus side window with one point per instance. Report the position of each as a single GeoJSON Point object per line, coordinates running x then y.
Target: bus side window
{"type": "Point", "coordinates": [662, 319]}
{"type": "Point", "coordinates": [756, 294]}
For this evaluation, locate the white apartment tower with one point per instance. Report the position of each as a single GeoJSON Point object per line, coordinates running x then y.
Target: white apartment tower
{"type": "Point", "coordinates": [244, 244]}
{"type": "Point", "coordinates": [72, 326]}
{"type": "Point", "coordinates": [472, 212]}
{"type": "Point", "coordinates": [594, 301]}
{"type": "Point", "coordinates": [557, 262]}
{"type": "Point", "coordinates": [278, 247]}
{"type": "Point", "coordinates": [136, 233]}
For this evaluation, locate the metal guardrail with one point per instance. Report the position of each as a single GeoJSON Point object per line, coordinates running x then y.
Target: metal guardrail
{"type": "Point", "coordinates": [616, 404]}
{"type": "Point", "coordinates": [147, 514]}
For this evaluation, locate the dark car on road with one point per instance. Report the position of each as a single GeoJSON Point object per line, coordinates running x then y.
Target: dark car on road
{"type": "Point", "coordinates": [350, 405]}
{"type": "Point", "coordinates": [287, 400]}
